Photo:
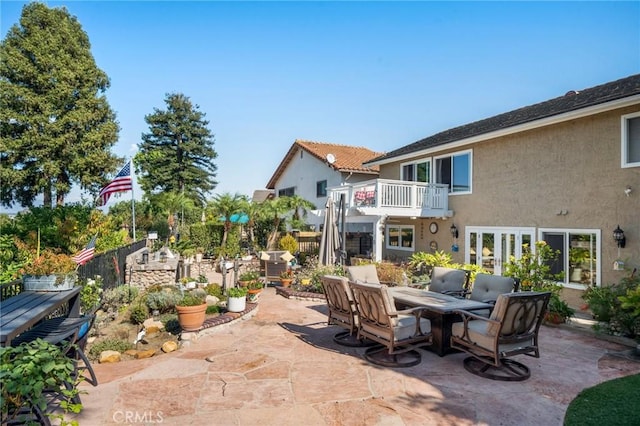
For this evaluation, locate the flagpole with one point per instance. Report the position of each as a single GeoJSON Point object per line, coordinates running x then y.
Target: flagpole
{"type": "Point", "coordinates": [133, 202]}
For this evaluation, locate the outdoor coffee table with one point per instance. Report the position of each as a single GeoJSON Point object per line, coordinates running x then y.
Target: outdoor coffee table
{"type": "Point", "coordinates": [441, 312]}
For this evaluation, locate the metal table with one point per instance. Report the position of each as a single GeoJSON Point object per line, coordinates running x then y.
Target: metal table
{"type": "Point", "coordinates": [441, 313]}
{"type": "Point", "coordinates": [20, 313]}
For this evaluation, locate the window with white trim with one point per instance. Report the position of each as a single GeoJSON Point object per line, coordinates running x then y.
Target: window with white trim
{"type": "Point", "coordinates": [631, 140]}
{"type": "Point", "coordinates": [416, 171]}
{"type": "Point", "coordinates": [400, 237]}
{"type": "Point", "coordinates": [454, 170]}
{"type": "Point", "coordinates": [579, 258]}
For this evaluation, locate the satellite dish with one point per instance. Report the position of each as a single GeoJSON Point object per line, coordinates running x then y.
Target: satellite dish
{"type": "Point", "coordinates": [331, 158]}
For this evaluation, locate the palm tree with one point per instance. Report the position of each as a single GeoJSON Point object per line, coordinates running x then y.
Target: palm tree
{"type": "Point", "coordinates": [300, 207]}
{"type": "Point", "coordinates": [274, 209]}
{"type": "Point", "coordinates": [252, 210]}
{"type": "Point", "coordinates": [171, 203]}
{"type": "Point", "coordinates": [224, 206]}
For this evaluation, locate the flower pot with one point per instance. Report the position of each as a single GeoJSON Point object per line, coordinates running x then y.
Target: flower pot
{"type": "Point", "coordinates": [191, 318]}
{"type": "Point", "coordinates": [286, 282]}
{"type": "Point", "coordinates": [305, 281]}
{"type": "Point", "coordinates": [49, 282]}
{"type": "Point", "coordinates": [253, 294]}
{"type": "Point", "coordinates": [236, 304]}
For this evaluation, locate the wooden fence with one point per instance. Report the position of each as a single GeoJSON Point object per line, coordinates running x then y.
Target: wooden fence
{"type": "Point", "coordinates": [109, 265]}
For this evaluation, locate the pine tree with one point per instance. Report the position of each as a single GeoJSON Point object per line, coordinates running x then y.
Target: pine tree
{"type": "Point", "coordinates": [177, 154]}
{"type": "Point", "coordinates": [56, 127]}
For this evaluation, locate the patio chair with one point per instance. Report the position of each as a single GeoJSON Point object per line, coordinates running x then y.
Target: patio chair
{"type": "Point", "coordinates": [363, 274]}
{"type": "Point", "coordinates": [511, 330]}
{"type": "Point", "coordinates": [487, 288]}
{"type": "Point", "coordinates": [399, 333]}
{"type": "Point", "coordinates": [449, 281]}
{"type": "Point", "coordinates": [342, 311]}
{"type": "Point", "coordinates": [61, 330]}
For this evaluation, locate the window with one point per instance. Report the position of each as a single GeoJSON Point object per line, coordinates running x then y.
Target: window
{"type": "Point", "coordinates": [287, 192]}
{"type": "Point", "coordinates": [579, 260]}
{"type": "Point", "coordinates": [455, 171]}
{"type": "Point", "coordinates": [400, 237]}
{"type": "Point", "coordinates": [321, 188]}
{"type": "Point", "coordinates": [419, 171]}
{"type": "Point", "coordinates": [631, 140]}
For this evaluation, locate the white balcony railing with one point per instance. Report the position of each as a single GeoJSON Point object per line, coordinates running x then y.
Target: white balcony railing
{"type": "Point", "coordinates": [395, 197]}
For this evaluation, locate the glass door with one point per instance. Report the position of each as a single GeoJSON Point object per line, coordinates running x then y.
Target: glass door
{"type": "Point", "coordinates": [492, 247]}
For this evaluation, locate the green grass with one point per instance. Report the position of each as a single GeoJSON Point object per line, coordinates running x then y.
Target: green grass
{"type": "Point", "coordinates": [615, 402]}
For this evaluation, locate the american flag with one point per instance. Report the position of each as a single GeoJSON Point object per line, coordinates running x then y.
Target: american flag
{"type": "Point", "coordinates": [86, 254]}
{"type": "Point", "coordinates": [122, 182]}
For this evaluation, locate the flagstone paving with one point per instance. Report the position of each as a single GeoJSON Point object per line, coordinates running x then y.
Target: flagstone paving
{"type": "Point", "coordinates": [280, 366]}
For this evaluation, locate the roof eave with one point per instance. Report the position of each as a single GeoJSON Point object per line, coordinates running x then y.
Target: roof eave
{"type": "Point", "coordinates": [535, 124]}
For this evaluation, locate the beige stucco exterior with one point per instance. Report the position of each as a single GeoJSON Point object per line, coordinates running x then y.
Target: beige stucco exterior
{"type": "Point", "coordinates": [566, 175]}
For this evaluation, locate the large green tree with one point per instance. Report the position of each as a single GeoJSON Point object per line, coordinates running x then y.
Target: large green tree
{"type": "Point", "coordinates": [177, 154]}
{"type": "Point", "coordinates": [56, 127]}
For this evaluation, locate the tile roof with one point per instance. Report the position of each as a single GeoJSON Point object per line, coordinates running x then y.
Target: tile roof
{"type": "Point", "coordinates": [347, 158]}
{"type": "Point", "coordinates": [571, 101]}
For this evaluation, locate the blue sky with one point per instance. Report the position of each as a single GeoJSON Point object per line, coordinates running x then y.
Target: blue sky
{"type": "Point", "coordinates": [374, 74]}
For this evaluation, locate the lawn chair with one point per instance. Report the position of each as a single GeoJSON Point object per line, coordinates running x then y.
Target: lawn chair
{"type": "Point", "coordinates": [363, 274]}
{"type": "Point", "coordinates": [487, 288]}
{"type": "Point", "coordinates": [511, 330]}
{"type": "Point", "coordinates": [399, 333]}
{"type": "Point", "coordinates": [342, 311]}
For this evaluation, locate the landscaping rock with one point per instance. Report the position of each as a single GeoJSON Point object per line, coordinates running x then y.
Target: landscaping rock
{"type": "Point", "coordinates": [109, 356]}
{"type": "Point", "coordinates": [212, 300]}
{"type": "Point", "coordinates": [145, 354]}
{"type": "Point", "coordinates": [150, 323]}
{"type": "Point", "coordinates": [169, 346]}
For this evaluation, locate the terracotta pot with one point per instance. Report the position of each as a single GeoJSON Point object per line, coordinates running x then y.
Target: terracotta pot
{"type": "Point", "coordinates": [191, 318]}
{"type": "Point", "coordinates": [286, 282]}
{"type": "Point", "coordinates": [253, 294]}
{"type": "Point", "coordinates": [553, 318]}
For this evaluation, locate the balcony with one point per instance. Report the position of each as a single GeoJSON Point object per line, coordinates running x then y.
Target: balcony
{"type": "Point", "coordinates": [394, 198]}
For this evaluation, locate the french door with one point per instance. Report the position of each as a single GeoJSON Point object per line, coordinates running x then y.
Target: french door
{"type": "Point", "coordinates": [492, 247]}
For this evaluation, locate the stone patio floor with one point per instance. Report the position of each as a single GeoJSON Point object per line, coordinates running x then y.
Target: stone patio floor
{"type": "Point", "coordinates": [278, 365]}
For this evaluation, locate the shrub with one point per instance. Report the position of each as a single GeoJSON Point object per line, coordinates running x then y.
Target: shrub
{"type": "Point", "coordinates": [26, 370]}
{"type": "Point", "coordinates": [91, 293]}
{"type": "Point", "coordinates": [214, 290]}
{"type": "Point", "coordinates": [109, 345]}
{"type": "Point", "coordinates": [116, 298]}
{"type": "Point", "coordinates": [162, 301]}
{"type": "Point", "coordinates": [213, 309]}
{"type": "Point", "coordinates": [288, 243]}
{"type": "Point", "coordinates": [138, 313]}
{"type": "Point", "coordinates": [617, 307]}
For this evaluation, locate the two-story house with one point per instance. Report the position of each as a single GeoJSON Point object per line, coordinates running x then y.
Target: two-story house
{"type": "Point", "coordinates": [309, 168]}
{"type": "Point", "coordinates": [566, 170]}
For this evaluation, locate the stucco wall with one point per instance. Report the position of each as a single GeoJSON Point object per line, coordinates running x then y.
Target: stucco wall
{"type": "Point", "coordinates": [524, 180]}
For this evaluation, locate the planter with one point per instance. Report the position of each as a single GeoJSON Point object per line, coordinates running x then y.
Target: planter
{"type": "Point", "coordinates": [253, 294]}
{"type": "Point", "coordinates": [553, 318]}
{"type": "Point", "coordinates": [236, 304]}
{"type": "Point", "coordinates": [49, 282]}
{"type": "Point", "coordinates": [191, 318]}
{"type": "Point", "coordinates": [305, 281]}
{"type": "Point", "coordinates": [285, 282]}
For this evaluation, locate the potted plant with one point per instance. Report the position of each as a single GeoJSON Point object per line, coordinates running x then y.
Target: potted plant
{"type": "Point", "coordinates": [286, 277]}
{"type": "Point", "coordinates": [558, 311]}
{"type": "Point", "coordinates": [51, 271]}
{"type": "Point", "coordinates": [248, 277]}
{"type": "Point", "coordinates": [577, 256]}
{"type": "Point", "coordinates": [237, 299]}
{"type": "Point", "coordinates": [254, 288]}
{"type": "Point", "coordinates": [30, 368]}
{"type": "Point", "coordinates": [191, 307]}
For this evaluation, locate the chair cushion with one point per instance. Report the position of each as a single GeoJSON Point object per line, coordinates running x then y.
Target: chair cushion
{"type": "Point", "coordinates": [447, 279]}
{"type": "Point", "coordinates": [478, 334]}
{"type": "Point", "coordinates": [286, 256]}
{"type": "Point", "coordinates": [363, 274]}
{"type": "Point", "coordinates": [406, 326]}
{"type": "Point", "coordinates": [487, 287]}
